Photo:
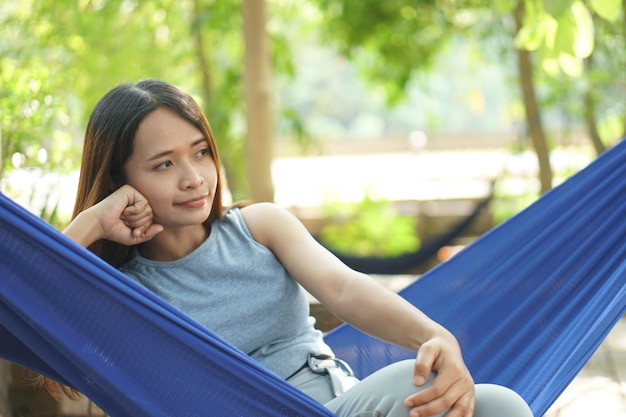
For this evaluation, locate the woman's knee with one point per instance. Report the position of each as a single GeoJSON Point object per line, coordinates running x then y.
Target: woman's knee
{"type": "Point", "coordinates": [384, 392]}
{"type": "Point", "coordinates": [496, 401]}
{"type": "Point", "coordinates": [398, 378]}
{"type": "Point", "coordinates": [380, 394]}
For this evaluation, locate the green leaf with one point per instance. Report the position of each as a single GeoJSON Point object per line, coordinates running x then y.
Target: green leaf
{"type": "Point", "coordinates": [533, 9]}
{"type": "Point", "coordinates": [503, 6]}
{"type": "Point", "coordinates": [556, 8]}
{"type": "Point", "coordinates": [570, 65]}
{"type": "Point", "coordinates": [584, 42]}
{"type": "Point", "coordinates": [607, 9]}
{"type": "Point", "coordinates": [550, 28]}
{"type": "Point", "coordinates": [550, 66]}
{"type": "Point", "coordinates": [549, 59]}
{"type": "Point", "coordinates": [531, 35]}
{"type": "Point", "coordinates": [574, 35]}
{"type": "Point", "coordinates": [566, 33]}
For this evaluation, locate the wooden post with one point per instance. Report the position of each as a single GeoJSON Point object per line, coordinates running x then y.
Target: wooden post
{"type": "Point", "coordinates": [5, 381]}
{"type": "Point", "coordinates": [258, 98]}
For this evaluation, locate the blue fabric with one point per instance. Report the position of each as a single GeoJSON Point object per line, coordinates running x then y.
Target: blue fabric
{"type": "Point", "coordinates": [530, 302]}
{"type": "Point", "coordinates": [67, 314]}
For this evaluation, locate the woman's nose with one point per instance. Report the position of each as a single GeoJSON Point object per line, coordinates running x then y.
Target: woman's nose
{"type": "Point", "coordinates": [191, 178]}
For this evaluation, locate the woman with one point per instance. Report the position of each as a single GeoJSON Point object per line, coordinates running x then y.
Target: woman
{"type": "Point", "coordinates": [149, 202]}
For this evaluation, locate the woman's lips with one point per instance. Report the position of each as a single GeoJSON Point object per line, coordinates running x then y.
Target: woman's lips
{"type": "Point", "coordinates": [194, 202]}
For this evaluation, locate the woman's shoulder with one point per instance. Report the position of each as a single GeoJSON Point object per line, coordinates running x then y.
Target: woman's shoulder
{"type": "Point", "coordinates": [265, 219]}
{"type": "Point", "coordinates": [262, 213]}
{"type": "Point", "coordinates": [273, 225]}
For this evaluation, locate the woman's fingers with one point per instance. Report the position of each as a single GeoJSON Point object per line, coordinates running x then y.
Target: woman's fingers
{"type": "Point", "coordinates": [451, 389]}
{"type": "Point", "coordinates": [456, 399]}
{"type": "Point", "coordinates": [424, 363]}
{"type": "Point", "coordinates": [146, 232]}
{"type": "Point", "coordinates": [135, 219]}
{"type": "Point", "coordinates": [138, 219]}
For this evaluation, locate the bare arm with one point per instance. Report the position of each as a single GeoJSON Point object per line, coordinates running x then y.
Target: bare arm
{"type": "Point", "coordinates": [359, 300]}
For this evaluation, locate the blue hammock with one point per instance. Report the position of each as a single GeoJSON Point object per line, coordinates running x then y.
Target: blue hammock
{"type": "Point", "coordinates": [530, 302]}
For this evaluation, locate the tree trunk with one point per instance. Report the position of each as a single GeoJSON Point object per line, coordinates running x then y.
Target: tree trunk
{"type": "Point", "coordinates": [5, 380]}
{"type": "Point", "coordinates": [592, 124]}
{"type": "Point", "coordinates": [258, 94]}
{"type": "Point", "coordinates": [533, 117]}
{"type": "Point", "coordinates": [590, 114]}
{"type": "Point", "coordinates": [590, 110]}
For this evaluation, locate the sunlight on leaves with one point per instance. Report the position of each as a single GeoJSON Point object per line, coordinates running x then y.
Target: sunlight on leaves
{"type": "Point", "coordinates": [533, 34]}
{"type": "Point", "coordinates": [563, 31]}
{"type": "Point", "coordinates": [557, 7]}
{"type": "Point", "coordinates": [551, 67]}
{"type": "Point", "coordinates": [503, 6]}
{"type": "Point", "coordinates": [607, 9]}
{"type": "Point", "coordinates": [570, 65]}
{"type": "Point", "coordinates": [566, 33]}
{"type": "Point", "coordinates": [584, 40]}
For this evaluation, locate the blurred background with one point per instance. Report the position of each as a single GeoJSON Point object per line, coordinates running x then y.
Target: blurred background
{"type": "Point", "coordinates": [398, 131]}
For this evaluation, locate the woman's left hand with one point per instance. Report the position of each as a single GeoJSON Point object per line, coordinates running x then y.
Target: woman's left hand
{"type": "Point", "coordinates": [452, 387]}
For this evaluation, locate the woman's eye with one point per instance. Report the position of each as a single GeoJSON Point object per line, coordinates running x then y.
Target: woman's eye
{"type": "Point", "coordinates": [204, 152]}
{"type": "Point", "coordinates": [163, 165]}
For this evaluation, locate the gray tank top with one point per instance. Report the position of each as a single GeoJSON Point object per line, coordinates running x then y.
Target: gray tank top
{"type": "Point", "coordinates": [236, 287]}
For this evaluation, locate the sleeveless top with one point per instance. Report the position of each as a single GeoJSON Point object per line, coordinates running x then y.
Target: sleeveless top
{"type": "Point", "coordinates": [238, 289]}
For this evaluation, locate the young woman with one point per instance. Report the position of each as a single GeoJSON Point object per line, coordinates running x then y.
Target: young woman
{"type": "Point", "coordinates": [149, 202]}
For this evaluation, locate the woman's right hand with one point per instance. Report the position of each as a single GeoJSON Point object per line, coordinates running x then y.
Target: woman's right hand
{"type": "Point", "coordinates": [125, 217]}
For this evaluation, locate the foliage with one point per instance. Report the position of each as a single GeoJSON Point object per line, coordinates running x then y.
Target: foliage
{"type": "Point", "coordinates": [579, 46]}
{"type": "Point", "coordinates": [562, 31]}
{"type": "Point", "coordinates": [34, 111]}
{"type": "Point", "coordinates": [60, 56]}
{"type": "Point", "coordinates": [391, 40]}
{"type": "Point", "coordinates": [369, 227]}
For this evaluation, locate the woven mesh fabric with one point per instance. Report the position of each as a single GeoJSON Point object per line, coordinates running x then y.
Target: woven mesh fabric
{"type": "Point", "coordinates": [68, 315]}
{"type": "Point", "coordinates": [529, 301]}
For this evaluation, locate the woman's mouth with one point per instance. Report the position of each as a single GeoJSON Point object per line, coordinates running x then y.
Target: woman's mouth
{"type": "Point", "coordinates": [194, 202]}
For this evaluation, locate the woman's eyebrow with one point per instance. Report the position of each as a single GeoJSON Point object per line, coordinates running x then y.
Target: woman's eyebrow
{"type": "Point", "coordinates": [199, 141]}
{"type": "Point", "coordinates": [165, 153]}
{"type": "Point", "coordinates": [159, 155]}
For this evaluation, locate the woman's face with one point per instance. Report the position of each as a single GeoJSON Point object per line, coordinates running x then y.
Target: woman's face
{"type": "Point", "coordinates": [172, 166]}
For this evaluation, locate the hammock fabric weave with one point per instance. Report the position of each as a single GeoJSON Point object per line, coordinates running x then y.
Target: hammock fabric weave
{"type": "Point", "coordinates": [530, 302]}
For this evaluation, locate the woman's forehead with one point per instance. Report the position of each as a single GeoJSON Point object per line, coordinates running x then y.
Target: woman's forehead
{"type": "Point", "coordinates": [163, 129]}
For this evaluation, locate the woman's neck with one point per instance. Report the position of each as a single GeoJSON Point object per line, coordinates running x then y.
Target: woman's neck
{"type": "Point", "coordinates": [174, 243]}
